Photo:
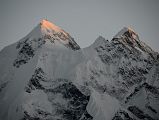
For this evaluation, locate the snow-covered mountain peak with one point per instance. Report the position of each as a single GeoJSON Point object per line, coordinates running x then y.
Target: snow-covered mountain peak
{"type": "Point", "coordinates": [47, 32]}
{"type": "Point", "coordinates": [56, 35]}
{"type": "Point", "coordinates": [127, 31]}
{"type": "Point", "coordinates": [46, 35]}
{"type": "Point", "coordinates": [47, 27]}
{"type": "Point", "coordinates": [130, 39]}
{"type": "Point", "coordinates": [100, 38]}
{"type": "Point", "coordinates": [99, 41]}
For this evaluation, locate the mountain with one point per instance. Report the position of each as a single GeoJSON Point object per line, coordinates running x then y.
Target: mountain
{"type": "Point", "coordinates": [47, 76]}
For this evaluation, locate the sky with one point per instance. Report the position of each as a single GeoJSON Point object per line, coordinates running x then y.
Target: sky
{"type": "Point", "coordinates": [84, 20]}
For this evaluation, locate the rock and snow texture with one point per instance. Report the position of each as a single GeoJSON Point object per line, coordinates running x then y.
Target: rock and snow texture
{"type": "Point", "coordinates": [47, 76]}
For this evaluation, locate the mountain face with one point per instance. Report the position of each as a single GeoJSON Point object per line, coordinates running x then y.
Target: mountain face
{"type": "Point", "coordinates": [47, 76]}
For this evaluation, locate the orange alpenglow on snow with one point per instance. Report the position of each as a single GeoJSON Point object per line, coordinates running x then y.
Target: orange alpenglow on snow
{"type": "Point", "coordinates": [46, 24]}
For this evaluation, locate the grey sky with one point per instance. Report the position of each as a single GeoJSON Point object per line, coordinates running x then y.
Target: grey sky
{"type": "Point", "coordinates": [85, 20]}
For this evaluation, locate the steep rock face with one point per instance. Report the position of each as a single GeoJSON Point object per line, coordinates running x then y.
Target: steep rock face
{"type": "Point", "coordinates": [46, 76]}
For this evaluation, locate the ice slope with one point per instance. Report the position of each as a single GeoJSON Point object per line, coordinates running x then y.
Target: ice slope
{"type": "Point", "coordinates": [102, 106]}
{"type": "Point", "coordinates": [46, 76]}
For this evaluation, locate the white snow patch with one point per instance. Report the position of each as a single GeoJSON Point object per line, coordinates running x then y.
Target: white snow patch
{"type": "Point", "coordinates": [102, 106]}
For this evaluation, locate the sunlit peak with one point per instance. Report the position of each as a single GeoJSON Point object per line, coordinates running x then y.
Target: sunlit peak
{"type": "Point", "coordinates": [131, 30]}
{"type": "Point", "coordinates": [46, 24]}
